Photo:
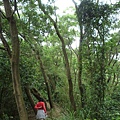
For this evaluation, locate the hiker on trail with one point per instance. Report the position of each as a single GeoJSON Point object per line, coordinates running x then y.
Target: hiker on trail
{"type": "Point", "coordinates": [41, 110]}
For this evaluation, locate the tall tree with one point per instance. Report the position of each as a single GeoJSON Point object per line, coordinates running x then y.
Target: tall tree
{"type": "Point", "coordinates": [67, 65]}
{"type": "Point", "coordinates": [15, 60]}
{"type": "Point", "coordinates": [80, 52]}
{"type": "Point", "coordinates": [94, 21]}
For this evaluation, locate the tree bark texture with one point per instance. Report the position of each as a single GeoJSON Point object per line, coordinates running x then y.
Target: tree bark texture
{"type": "Point", "coordinates": [15, 62]}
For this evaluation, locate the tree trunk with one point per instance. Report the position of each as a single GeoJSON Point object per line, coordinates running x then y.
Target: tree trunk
{"type": "Point", "coordinates": [68, 71]}
{"type": "Point", "coordinates": [15, 62]}
{"type": "Point", "coordinates": [80, 84]}
{"type": "Point", "coordinates": [35, 50]}
{"type": "Point", "coordinates": [46, 80]}
{"type": "Point", "coordinates": [38, 96]}
{"type": "Point", "coordinates": [28, 93]}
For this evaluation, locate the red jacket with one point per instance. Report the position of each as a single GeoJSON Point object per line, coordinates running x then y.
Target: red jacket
{"type": "Point", "coordinates": [40, 106]}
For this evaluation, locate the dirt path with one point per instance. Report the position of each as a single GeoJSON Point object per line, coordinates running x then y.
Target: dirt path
{"type": "Point", "coordinates": [54, 113]}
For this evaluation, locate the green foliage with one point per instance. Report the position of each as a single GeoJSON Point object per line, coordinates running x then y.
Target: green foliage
{"type": "Point", "coordinates": [100, 65]}
{"type": "Point", "coordinates": [90, 11]}
{"type": "Point", "coordinates": [113, 105]}
{"type": "Point", "coordinates": [95, 20]}
{"type": "Point", "coordinates": [7, 100]}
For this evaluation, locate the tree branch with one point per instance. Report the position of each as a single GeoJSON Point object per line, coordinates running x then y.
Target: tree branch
{"type": "Point", "coordinates": [2, 14]}
{"type": "Point", "coordinates": [75, 4]}
{"type": "Point", "coordinates": [2, 48]}
{"type": "Point", "coordinates": [6, 46]}
{"type": "Point", "coordinates": [54, 23]}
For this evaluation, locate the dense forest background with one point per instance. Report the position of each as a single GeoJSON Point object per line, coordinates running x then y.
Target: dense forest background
{"type": "Point", "coordinates": [37, 59]}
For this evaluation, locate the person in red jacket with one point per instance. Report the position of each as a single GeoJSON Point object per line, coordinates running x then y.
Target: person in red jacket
{"type": "Point", "coordinates": [41, 110]}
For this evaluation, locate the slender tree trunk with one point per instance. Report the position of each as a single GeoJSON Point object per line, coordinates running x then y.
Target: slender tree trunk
{"type": "Point", "coordinates": [46, 80]}
{"type": "Point", "coordinates": [35, 50]}
{"type": "Point", "coordinates": [28, 93]}
{"type": "Point", "coordinates": [80, 84]}
{"type": "Point", "coordinates": [68, 71]}
{"type": "Point", "coordinates": [15, 62]}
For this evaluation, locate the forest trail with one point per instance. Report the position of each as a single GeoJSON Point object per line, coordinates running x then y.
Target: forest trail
{"type": "Point", "coordinates": [54, 113]}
